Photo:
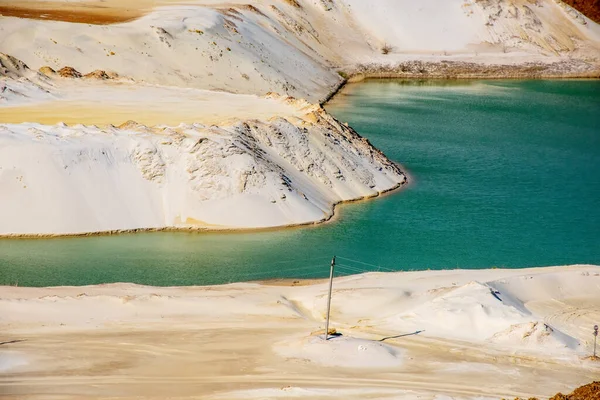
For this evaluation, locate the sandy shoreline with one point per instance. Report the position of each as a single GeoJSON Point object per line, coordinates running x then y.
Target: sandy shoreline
{"type": "Point", "coordinates": [462, 71]}
{"type": "Point", "coordinates": [524, 332]}
{"type": "Point", "coordinates": [214, 229]}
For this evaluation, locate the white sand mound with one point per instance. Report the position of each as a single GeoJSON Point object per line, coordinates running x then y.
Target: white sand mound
{"type": "Point", "coordinates": [19, 84]}
{"type": "Point", "coordinates": [342, 351]}
{"type": "Point", "coordinates": [534, 335]}
{"type": "Point", "coordinates": [10, 361]}
{"type": "Point", "coordinates": [22, 91]}
{"type": "Point", "coordinates": [476, 312]}
{"type": "Point", "coordinates": [570, 306]}
{"type": "Point", "coordinates": [468, 312]}
{"type": "Point", "coordinates": [11, 67]}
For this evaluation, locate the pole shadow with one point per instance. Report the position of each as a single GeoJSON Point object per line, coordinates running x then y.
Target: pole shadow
{"type": "Point", "coordinates": [399, 336]}
{"type": "Point", "coordinates": [13, 341]}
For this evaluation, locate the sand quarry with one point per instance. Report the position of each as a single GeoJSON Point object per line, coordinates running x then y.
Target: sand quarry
{"type": "Point", "coordinates": [206, 114]}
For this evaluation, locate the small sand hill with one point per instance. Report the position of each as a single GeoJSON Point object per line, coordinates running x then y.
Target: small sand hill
{"type": "Point", "coordinates": [11, 360]}
{"type": "Point", "coordinates": [11, 67]}
{"type": "Point", "coordinates": [477, 312]}
{"type": "Point", "coordinates": [532, 335]}
{"type": "Point", "coordinates": [471, 311]}
{"type": "Point", "coordinates": [341, 351]}
{"type": "Point", "coordinates": [546, 295]}
{"type": "Point", "coordinates": [19, 84]}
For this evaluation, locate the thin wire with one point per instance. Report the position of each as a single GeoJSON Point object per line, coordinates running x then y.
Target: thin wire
{"type": "Point", "coordinates": [379, 267]}
{"type": "Point", "coordinates": [353, 272]}
{"type": "Point", "coordinates": [368, 264]}
{"type": "Point", "coordinates": [347, 272]}
{"type": "Point", "coordinates": [359, 270]}
{"type": "Point", "coordinates": [353, 269]}
{"type": "Point", "coordinates": [291, 273]}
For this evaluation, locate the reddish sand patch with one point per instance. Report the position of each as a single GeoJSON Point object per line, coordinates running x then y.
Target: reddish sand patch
{"type": "Point", "coordinates": [87, 13]}
{"type": "Point", "coordinates": [590, 8]}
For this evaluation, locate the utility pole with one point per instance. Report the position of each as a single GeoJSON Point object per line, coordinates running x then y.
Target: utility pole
{"type": "Point", "coordinates": [329, 298]}
{"type": "Point", "coordinates": [595, 337]}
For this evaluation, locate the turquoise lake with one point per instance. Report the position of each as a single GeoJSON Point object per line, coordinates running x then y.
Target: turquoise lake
{"type": "Point", "coordinates": [503, 174]}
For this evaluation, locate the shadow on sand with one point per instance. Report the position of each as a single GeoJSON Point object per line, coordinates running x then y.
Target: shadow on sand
{"type": "Point", "coordinates": [399, 336]}
{"type": "Point", "coordinates": [13, 341]}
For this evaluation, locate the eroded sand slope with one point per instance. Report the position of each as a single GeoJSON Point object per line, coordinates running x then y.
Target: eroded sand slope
{"type": "Point", "coordinates": [209, 65]}
{"type": "Point", "coordinates": [293, 47]}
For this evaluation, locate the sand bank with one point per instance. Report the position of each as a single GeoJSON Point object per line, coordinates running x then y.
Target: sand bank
{"type": "Point", "coordinates": [482, 334]}
{"type": "Point", "coordinates": [251, 174]}
{"type": "Point", "coordinates": [114, 103]}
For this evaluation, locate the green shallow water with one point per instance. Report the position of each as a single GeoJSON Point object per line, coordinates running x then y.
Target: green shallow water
{"type": "Point", "coordinates": [503, 173]}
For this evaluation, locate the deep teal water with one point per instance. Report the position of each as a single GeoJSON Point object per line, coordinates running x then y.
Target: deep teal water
{"type": "Point", "coordinates": [504, 173]}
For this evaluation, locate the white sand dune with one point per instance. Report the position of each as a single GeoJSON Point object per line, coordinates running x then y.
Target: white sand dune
{"type": "Point", "coordinates": [341, 351]}
{"type": "Point", "coordinates": [249, 340]}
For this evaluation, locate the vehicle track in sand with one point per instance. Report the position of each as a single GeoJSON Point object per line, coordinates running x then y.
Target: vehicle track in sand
{"type": "Point", "coordinates": [413, 383]}
{"type": "Point", "coordinates": [186, 362]}
{"type": "Point", "coordinates": [572, 316]}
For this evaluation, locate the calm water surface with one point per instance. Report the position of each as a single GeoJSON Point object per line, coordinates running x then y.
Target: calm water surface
{"type": "Point", "coordinates": [503, 174]}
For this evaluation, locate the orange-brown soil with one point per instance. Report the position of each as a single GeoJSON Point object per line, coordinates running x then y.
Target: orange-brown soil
{"type": "Point", "coordinates": [591, 391]}
{"type": "Point", "coordinates": [589, 8]}
{"type": "Point", "coordinates": [587, 392]}
{"type": "Point", "coordinates": [98, 13]}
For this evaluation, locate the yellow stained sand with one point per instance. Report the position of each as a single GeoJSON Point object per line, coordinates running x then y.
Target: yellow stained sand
{"type": "Point", "coordinates": [71, 113]}
{"type": "Point", "coordinates": [89, 12]}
